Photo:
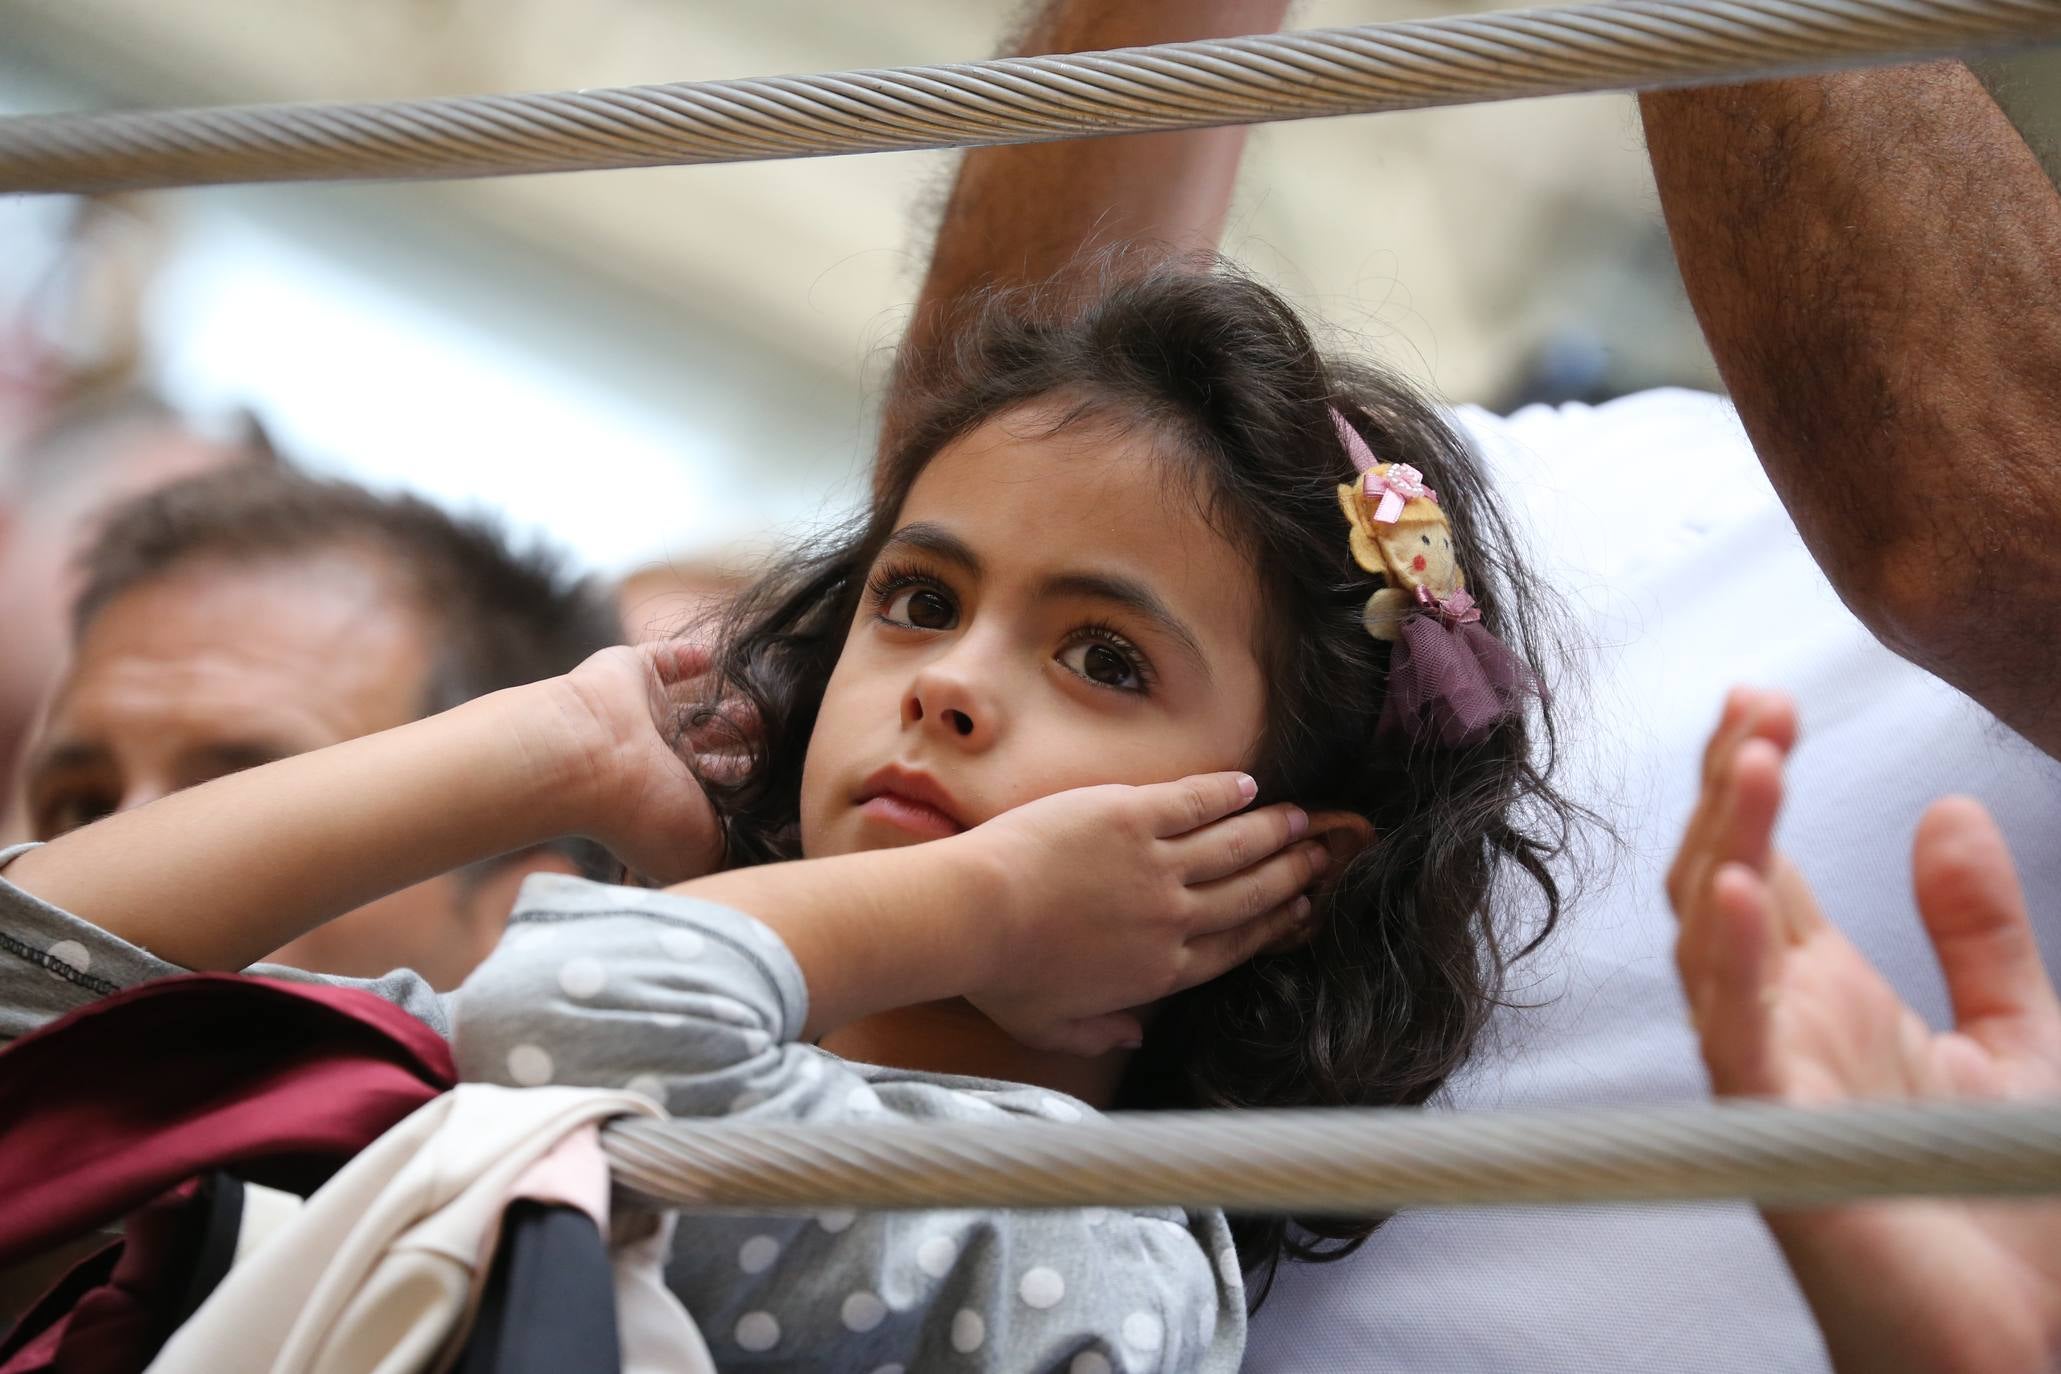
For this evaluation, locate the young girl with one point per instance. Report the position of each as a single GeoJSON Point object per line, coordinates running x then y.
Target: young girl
{"type": "Point", "coordinates": [989, 851]}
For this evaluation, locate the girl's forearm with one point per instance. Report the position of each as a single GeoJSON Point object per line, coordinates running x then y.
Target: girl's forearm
{"type": "Point", "coordinates": [219, 875]}
{"type": "Point", "coordinates": [879, 930]}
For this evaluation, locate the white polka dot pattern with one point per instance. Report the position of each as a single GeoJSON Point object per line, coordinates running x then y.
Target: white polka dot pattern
{"type": "Point", "coordinates": [937, 1255]}
{"type": "Point", "coordinates": [73, 953]}
{"type": "Point", "coordinates": [971, 1287]}
{"type": "Point", "coordinates": [756, 1255]}
{"type": "Point", "coordinates": [1227, 1268]}
{"type": "Point", "coordinates": [530, 1066]}
{"type": "Point", "coordinates": [683, 944]}
{"type": "Point", "coordinates": [1041, 1288]}
{"type": "Point", "coordinates": [757, 1331]}
{"type": "Point", "coordinates": [583, 978]}
{"type": "Point", "coordinates": [862, 1312]}
{"type": "Point", "coordinates": [1143, 1331]}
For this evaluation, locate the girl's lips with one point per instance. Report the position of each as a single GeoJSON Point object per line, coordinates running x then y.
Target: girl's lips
{"type": "Point", "coordinates": [904, 813]}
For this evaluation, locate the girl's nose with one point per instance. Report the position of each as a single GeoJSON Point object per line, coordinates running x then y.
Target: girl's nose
{"type": "Point", "coordinates": [950, 699]}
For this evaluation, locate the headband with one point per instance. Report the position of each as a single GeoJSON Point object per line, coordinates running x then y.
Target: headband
{"type": "Point", "coordinates": [1449, 679]}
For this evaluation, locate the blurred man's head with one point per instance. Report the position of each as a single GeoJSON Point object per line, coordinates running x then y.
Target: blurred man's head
{"type": "Point", "coordinates": [241, 617]}
{"type": "Point", "coordinates": [665, 600]}
{"type": "Point", "coordinates": [52, 485]}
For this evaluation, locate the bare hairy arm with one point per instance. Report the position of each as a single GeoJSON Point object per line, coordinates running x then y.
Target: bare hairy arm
{"type": "Point", "coordinates": [1023, 214]}
{"type": "Point", "coordinates": [1873, 257]}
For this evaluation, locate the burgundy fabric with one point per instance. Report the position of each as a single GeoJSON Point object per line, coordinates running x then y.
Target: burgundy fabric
{"type": "Point", "coordinates": [34, 1341]}
{"type": "Point", "coordinates": [280, 1083]}
{"type": "Point", "coordinates": [115, 1310]}
{"type": "Point", "coordinates": [1451, 681]}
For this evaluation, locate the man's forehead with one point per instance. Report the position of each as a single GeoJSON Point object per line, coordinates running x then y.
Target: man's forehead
{"type": "Point", "coordinates": [329, 636]}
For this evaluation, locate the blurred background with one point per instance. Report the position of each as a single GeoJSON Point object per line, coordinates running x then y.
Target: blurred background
{"type": "Point", "coordinates": [677, 364]}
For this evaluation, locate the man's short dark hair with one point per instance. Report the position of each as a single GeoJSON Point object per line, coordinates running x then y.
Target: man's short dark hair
{"type": "Point", "coordinates": [498, 615]}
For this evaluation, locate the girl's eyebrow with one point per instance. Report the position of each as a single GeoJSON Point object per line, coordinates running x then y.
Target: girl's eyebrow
{"type": "Point", "coordinates": [1128, 593]}
{"type": "Point", "coordinates": [938, 542]}
{"type": "Point", "coordinates": [1135, 597]}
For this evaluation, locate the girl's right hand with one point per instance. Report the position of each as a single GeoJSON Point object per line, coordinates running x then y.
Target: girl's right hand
{"type": "Point", "coordinates": [617, 718]}
{"type": "Point", "coordinates": [1114, 897]}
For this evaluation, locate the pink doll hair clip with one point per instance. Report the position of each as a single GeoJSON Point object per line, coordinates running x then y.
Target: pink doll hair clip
{"type": "Point", "coordinates": [1449, 678]}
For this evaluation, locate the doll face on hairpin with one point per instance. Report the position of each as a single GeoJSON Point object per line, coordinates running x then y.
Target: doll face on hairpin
{"type": "Point", "coordinates": [1419, 553]}
{"type": "Point", "coordinates": [1415, 550]}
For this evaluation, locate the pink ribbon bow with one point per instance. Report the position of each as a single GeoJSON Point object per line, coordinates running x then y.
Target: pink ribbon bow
{"type": "Point", "coordinates": [1397, 487]}
{"type": "Point", "coordinates": [1454, 608]}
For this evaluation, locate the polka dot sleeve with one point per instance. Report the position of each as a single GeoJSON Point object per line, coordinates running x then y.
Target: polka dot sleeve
{"type": "Point", "coordinates": [698, 1006]}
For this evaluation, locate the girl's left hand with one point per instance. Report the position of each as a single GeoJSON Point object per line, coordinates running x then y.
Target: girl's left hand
{"type": "Point", "coordinates": [1787, 1008]}
{"type": "Point", "coordinates": [1113, 897]}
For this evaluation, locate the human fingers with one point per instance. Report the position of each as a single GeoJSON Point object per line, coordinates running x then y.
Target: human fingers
{"type": "Point", "coordinates": [1747, 835]}
{"type": "Point", "coordinates": [1093, 1036]}
{"type": "Point", "coordinates": [1732, 984]}
{"type": "Point", "coordinates": [1257, 889]}
{"type": "Point", "coordinates": [1741, 832]}
{"type": "Point", "coordinates": [1741, 793]}
{"type": "Point", "coordinates": [1974, 912]}
{"type": "Point", "coordinates": [1237, 842]}
{"type": "Point", "coordinates": [1212, 955]}
{"type": "Point", "coordinates": [1691, 860]}
{"type": "Point", "coordinates": [678, 660]}
{"type": "Point", "coordinates": [1175, 808]}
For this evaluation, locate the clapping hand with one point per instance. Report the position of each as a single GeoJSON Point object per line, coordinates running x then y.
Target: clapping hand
{"type": "Point", "coordinates": [1787, 1008]}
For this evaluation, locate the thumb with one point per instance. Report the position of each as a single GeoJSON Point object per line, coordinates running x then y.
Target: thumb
{"type": "Point", "coordinates": [1974, 911]}
{"type": "Point", "coordinates": [677, 660]}
{"type": "Point", "coordinates": [1094, 1036]}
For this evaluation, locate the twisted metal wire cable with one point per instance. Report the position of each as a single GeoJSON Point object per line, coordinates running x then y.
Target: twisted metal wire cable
{"type": "Point", "coordinates": [1629, 44]}
{"type": "Point", "coordinates": [1351, 1161]}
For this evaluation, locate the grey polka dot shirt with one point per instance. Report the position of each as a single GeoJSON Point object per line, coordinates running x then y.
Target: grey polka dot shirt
{"type": "Point", "coordinates": [699, 1006]}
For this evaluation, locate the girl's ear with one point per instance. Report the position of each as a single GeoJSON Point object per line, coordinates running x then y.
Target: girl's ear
{"type": "Point", "coordinates": [1344, 833]}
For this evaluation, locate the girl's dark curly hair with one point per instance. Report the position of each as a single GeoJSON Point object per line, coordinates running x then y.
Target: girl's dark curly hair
{"type": "Point", "coordinates": [1413, 939]}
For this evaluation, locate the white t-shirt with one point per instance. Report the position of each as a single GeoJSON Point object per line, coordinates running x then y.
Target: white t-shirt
{"type": "Point", "coordinates": [1653, 519]}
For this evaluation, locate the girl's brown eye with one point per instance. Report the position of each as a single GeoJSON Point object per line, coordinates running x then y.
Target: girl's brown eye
{"type": "Point", "coordinates": [1105, 665]}
{"type": "Point", "coordinates": [921, 608]}
{"type": "Point", "coordinates": [930, 611]}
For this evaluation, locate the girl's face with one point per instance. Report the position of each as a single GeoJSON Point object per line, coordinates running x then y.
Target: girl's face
{"type": "Point", "coordinates": [1051, 612]}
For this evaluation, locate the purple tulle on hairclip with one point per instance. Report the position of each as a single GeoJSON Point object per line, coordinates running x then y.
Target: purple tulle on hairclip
{"type": "Point", "coordinates": [1449, 679]}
